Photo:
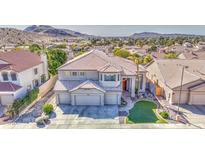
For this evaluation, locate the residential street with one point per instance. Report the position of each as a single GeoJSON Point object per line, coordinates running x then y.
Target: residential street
{"type": "Point", "coordinates": [194, 114]}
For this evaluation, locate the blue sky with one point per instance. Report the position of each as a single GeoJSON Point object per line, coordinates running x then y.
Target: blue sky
{"type": "Point", "coordinates": [126, 30]}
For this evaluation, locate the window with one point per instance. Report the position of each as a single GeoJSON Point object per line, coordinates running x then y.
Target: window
{"type": "Point", "coordinates": [82, 73]}
{"type": "Point", "coordinates": [43, 78]}
{"type": "Point", "coordinates": [35, 71]}
{"type": "Point", "coordinates": [109, 77]}
{"type": "Point", "coordinates": [73, 73]}
{"type": "Point", "coordinates": [13, 76]}
{"type": "Point", "coordinates": [29, 88]}
{"type": "Point", "coordinates": [5, 76]}
{"type": "Point", "coordinates": [118, 77]}
{"type": "Point", "coordinates": [101, 77]}
{"type": "Point", "coordinates": [66, 73]}
{"type": "Point", "coordinates": [35, 83]}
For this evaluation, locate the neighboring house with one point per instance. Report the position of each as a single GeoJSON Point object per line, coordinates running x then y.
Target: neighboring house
{"type": "Point", "coordinates": [158, 55]}
{"type": "Point", "coordinates": [96, 78]}
{"type": "Point", "coordinates": [135, 49]}
{"type": "Point", "coordinates": [192, 55]}
{"type": "Point", "coordinates": [20, 71]}
{"type": "Point", "coordinates": [188, 45]}
{"type": "Point", "coordinates": [164, 80]}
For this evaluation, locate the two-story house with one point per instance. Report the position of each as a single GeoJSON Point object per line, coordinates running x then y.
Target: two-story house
{"type": "Point", "coordinates": [20, 71]}
{"type": "Point", "coordinates": [96, 78]}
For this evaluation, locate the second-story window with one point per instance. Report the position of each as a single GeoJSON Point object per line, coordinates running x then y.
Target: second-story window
{"type": "Point", "coordinates": [74, 73]}
{"type": "Point", "coordinates": [101, 77]}
{"type": "Point", "coordinates": [109, 77]}
{"type": "Point", "coordinates": [35, 71]}
{"type": "Point", "coordinates": [82, 73]}
{"type": "Point", "coordinates": [5, 76]}
{"type": "Point", "coordinates": [13, 76]}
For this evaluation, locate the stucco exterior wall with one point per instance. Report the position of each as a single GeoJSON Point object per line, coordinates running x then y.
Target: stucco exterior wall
{"type": "Point", "coordinates": [89, 75]}
{"type": "Point", "coordinates": [26, 77]}
{"type": "Point", "coordinates": [7, 99]}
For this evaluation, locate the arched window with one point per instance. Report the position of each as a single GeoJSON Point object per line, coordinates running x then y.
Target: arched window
{"type": "Point", "coordinates": [13, 76]}
{"type": "Point", "coordinates": [5, 76]}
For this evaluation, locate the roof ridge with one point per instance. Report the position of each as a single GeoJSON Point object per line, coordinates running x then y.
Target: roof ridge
{"type": "Point", "coordinates": [11, 86]}
{"type": "Point", "coordinates": [76, 58]}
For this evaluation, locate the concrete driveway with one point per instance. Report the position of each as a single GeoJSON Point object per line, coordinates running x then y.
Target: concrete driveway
{"type": "Point", "coordinates": [195, 114]}
{"type": "Point", "coordinates": [73, 116]}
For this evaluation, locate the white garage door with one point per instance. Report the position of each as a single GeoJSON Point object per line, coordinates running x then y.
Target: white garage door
{"type": "Point", "coordinates": [64, 98]}
{"type": "Point", "coordinates": [198, 100]}
{"type": "Point", "coordinates": [91, 99]}
{"type": "Point", "coordinates": [111, 99]}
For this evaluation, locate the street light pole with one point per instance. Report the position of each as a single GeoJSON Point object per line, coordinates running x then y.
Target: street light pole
{"type": "Point", "coordinates": [180, 91]}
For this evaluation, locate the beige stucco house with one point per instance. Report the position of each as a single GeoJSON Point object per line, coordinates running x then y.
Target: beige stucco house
{"type": "Point", "coordinates": [20, 72]}
{"type": "Point", "coordinates": [164, 79]}
{"type": "Point", "coordinates": [96, 78]}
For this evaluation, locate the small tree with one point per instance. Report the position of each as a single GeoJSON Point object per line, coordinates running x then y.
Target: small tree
{"type": "Point", "coordinates": [48, 108]}
{"type": "Point", "coordinates": [121, 53]}
{"type": "Point", "coordinates": [35, 48]}
{"type": "Point", "coordinates": [56, 57]}
{"type": "Point", "coordinates": [147, 59]}
{"type": "Point", "coordinates": [171, 55]}
{"type": "Point", "coordinates": [61, 46]}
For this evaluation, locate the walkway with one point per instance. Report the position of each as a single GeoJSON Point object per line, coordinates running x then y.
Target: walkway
{"type": "Point", "coordinates": [172, 109]}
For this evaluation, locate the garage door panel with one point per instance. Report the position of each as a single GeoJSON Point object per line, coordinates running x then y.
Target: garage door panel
{"type": "Point", "coordinates": [111, 99]}
{"type": "Point", "coordinates": [64, 98]}
{"type": "Point", "coordinates": [198, 99]}
{"type": "Point", "coordinates": [87, 99]}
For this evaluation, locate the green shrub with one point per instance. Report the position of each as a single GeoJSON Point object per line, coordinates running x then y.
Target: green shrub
{"type": "Point", "coordinates": [61, 46]}
{"type": "Point", "coordinates": [47, 108]}
{"type": "Point", "coordinates": [20, 104]}
{"type": "Point", "coordinates": [121, 52]}
{"type": "Point", "coordinates": [164, 114]}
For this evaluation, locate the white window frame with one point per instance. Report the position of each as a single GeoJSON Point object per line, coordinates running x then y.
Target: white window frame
{"type": "Point", "coordinates": [109, 75]}
{"type": "Point", "coordinates": [72, 73]}
{"type": "Point", "coordinates": [3, 76]}
{"type": "Point", "coordinates": [81, 73]}
{"type": "Point", "coordinates": [15, 75]}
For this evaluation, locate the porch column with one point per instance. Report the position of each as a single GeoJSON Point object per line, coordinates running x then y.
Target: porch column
{"type": "Point", "coordinates": [133, 79]}
{"type": "Point", "coordinates": [144, 82]}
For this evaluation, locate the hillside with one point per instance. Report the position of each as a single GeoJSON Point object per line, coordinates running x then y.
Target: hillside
{"type": "Point", "coordinates": [15, 36]}
{"type": "Point", "coordinates": [155, 35]}
{"type": "Point", "coordinates": [51, 31]}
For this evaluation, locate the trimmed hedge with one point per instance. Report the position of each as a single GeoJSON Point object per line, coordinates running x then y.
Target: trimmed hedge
{"type": "Point", "coordinates": [47, 108]}
{"type": "Point", "coordinates": [20, 104]}
{"type": "Point", "coordinates": [164, 114]}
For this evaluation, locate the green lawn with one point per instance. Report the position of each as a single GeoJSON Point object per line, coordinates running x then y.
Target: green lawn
{"type": "Point", "coordinates": [144, 112]}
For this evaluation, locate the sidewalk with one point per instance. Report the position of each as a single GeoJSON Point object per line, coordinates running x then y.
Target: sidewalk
{"type": "Point", "coordinates": [103, 126]}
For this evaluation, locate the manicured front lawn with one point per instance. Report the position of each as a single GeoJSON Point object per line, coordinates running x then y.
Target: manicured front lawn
{"type": "Point", "coordinates": [144, 112]}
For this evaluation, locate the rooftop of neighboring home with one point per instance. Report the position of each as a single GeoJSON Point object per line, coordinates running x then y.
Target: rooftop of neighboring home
{"type": "Point", "coordinates": [8, 87]}
{"type": "Point", "coordinates": [170, 71]}
{"type": "Point", "coordinates": [96, 60]}
{"type": "Point", "coordinates": [19, 60]}
{"type": "Point", "coordinates": [158, 55]}
{"type": "Point", "coordinates": [193, 55]}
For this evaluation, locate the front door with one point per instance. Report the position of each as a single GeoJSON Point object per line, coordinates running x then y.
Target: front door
{"type": "Point", "coordinates": [124, 84]}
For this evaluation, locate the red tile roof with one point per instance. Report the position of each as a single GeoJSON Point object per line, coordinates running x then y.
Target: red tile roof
{"type": "Point", "coordinates": [8, 86]}
{"type": "Point", "coordinates": [20, 60]}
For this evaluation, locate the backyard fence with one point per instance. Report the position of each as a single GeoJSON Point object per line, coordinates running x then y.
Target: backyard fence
{"type": "Point", "coordinates": [47, 86]}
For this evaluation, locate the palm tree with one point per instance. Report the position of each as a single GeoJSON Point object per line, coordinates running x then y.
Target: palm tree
{"type": "Point", "coordinates": [137, 61]}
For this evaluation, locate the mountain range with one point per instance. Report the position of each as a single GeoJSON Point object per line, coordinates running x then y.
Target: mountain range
{"type": "Point", "coordinates": [46, 34]}
{"type": "Point", "coordinates": [56, 32]}
{"type": "Point", "coordinates": [156, 35]}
